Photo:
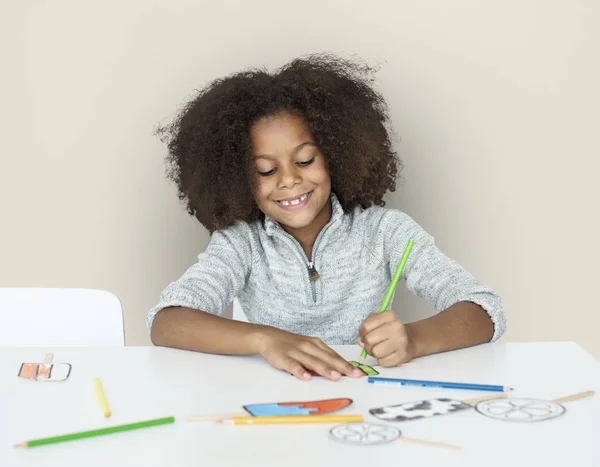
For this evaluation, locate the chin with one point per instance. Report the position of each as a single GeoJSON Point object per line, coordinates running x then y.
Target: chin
{"type": "Point", "coordinates": [296, 225]}
{"type": "Point", "coordinates": [298, 222]}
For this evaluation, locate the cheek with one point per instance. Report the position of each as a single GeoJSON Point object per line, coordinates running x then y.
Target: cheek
{"type": "Point", "coordinates": [320, 166]}
{"type": "Point", "coordinates": [262, 190]}
{"type": "Point", "coordinates": [321, 175]}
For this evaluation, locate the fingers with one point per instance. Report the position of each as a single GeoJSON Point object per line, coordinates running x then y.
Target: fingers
{"type": "Point", "coordinates": [371, 324]}
{"type": "Point", "coordinates": [295, 368]}
{"type": "Point", "coordinates": [298, 355]}
{"type": "Point", "coordinates": [386, 339]}
{"type": "Point", "coordinates": [394, 359]}
{"type": "Point", "coordinates": [319, 365]}
{"type": "Point", "coordinates": [375, 337]}
{"type": "Point", "coordinates": [313, 354]}
{"type": "Point", "coordinates": [375, 320]}
{"type": "Point", "coordinates": [383, 349]}
{"type": "Point", "coordinates": [391, 330]}
{"type": "Point", "coordinates": [327, 359]}
{"type": "Point", "coordinates": [341, 364]}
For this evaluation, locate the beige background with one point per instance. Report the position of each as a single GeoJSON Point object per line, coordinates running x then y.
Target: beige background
{"type": "Point", "coordinates": [496, 104]}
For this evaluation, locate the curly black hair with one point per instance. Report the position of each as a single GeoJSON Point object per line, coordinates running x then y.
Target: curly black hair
{"type": "Point", "coordinates": [209, 142]}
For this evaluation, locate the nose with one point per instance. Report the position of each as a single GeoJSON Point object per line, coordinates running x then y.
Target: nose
{"type": "Point", "coordinates": [289, 177]}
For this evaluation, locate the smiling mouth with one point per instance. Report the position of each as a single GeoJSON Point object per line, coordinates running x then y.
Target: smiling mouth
{"type": "Point", "coordinates": [295, 201]}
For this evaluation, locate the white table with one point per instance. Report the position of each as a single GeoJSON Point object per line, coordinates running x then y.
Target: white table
{"type": "Point", "coordinates": [146, 382]}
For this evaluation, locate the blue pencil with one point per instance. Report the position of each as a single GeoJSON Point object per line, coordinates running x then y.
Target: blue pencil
{"type": "Point", "coordinates": [439, 384]}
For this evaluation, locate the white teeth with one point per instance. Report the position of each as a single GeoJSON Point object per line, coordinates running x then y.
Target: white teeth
{"type": "Point", "coordinates": [294, 201]}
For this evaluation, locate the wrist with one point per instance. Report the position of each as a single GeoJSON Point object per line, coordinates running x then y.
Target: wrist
{"type": "Point", "coordinates": [258, 339]}
{"type": "Point", "coordinates": [414, 341]}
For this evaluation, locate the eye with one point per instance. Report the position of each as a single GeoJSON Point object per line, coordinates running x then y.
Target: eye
{"type": "Point", "coordinates": [266, 174]}
{"type": "Point", "coordinates": [305, 163]}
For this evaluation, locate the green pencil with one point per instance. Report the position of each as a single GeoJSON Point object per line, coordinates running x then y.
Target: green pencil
{"type": "Point", "coordinates": [392, 287]}
{"type": "Point", "coordinates": [99, 432]}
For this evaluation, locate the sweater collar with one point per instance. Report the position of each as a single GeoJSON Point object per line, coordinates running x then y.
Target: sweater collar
{"type": "Point", "coordinates": [271, 226]}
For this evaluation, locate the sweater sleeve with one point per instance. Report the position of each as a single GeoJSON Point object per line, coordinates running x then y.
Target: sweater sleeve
{"type": "Point", "coordinates": [432, 275]}
{"type": "Point", "coordinates": [215, 279]}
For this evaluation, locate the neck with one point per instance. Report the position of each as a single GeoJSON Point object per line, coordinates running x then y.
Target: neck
{"type": "Point", "coordinates": [306, 236]}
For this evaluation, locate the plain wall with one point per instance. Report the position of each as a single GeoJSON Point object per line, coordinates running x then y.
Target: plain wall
{"type": "Point", "coordinates": [494, 104]}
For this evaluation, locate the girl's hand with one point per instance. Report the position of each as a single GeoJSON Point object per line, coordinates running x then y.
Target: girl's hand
{"type": "Point", "coordinates": [296, 354]}
{"type": "Point", "coordinates": [386, 338]}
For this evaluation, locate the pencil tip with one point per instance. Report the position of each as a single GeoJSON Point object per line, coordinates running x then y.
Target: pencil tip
{"type": "Point", "coordinates": [20, 445]}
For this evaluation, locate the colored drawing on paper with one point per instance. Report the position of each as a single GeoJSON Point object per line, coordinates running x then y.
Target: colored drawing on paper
{"type": "Point", "coordinates": [364, 433]}
{"type": "Point", "coordinates": [297, 408]}
{"type": "Point", "coordinates": [46, 371]}
{"type": "Point", "coordinates": [520, 410]}
{"type": "Point", "coordinates": [368, 370]}
{"type": "Point", "coordinates": [418, 409]}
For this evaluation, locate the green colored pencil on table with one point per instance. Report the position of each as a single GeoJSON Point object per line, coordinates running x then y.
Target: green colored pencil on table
{"type": "Point", "coordinates": [392, 287]}
{"type": "Point", "coordinates": [91, 433]}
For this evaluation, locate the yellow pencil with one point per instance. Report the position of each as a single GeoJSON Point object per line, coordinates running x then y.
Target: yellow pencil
{"type": "Point", "coordinates": [292, 419]}
{"type": "Point", "coordinates": [101, 397]}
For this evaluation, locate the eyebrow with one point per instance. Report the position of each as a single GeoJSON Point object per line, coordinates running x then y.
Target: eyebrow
{"type": "Point", "coordinates": [294, 151]}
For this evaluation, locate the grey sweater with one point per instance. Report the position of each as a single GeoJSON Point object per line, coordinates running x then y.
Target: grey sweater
{"type": "Point", "coordinates": [355, 256]}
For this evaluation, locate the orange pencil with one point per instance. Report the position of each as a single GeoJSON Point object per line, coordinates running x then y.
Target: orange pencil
{"type": "Point", "coordinates": [292, 419]}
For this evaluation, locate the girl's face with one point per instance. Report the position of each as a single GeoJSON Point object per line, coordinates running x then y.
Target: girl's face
{"type": "Point", "coordinates": [292, 184]}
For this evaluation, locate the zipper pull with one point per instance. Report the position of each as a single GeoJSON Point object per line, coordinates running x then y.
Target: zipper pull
{"type": "Point", "coordinates": [313, 275]}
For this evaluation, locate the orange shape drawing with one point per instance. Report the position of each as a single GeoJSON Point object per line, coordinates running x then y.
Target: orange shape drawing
{"type": "Point", "coordinates": [297, 408]}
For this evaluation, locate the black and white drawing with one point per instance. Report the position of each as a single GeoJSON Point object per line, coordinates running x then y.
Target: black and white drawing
{"type": "Point", "coordinates": [418, 409]}
{"type": "Point", "coordinates": [520, 410]}
{"type": "Point", "coordinates": [364, 433]}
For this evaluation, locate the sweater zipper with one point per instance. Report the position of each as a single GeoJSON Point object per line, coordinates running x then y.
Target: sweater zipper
{"type": "Point", "coordinates": [313, 274]}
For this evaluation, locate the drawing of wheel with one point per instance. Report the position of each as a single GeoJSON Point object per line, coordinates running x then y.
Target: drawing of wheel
{"type": "Point", "coordinates": [520, 410]}
{"type": "Point", "coordinates": [364, 433]}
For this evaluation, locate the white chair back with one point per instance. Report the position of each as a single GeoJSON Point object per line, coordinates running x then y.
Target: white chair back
{"type": "Point", "coordinates": [60, 317]}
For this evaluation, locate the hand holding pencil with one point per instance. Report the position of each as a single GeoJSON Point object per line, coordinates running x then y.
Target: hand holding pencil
{"type": "Point", "coordinates": [382, 334]}
{"type": "Point", "coordinates": [387, 339]}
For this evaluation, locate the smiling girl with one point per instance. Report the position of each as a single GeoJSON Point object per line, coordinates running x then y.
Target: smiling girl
{"type": "Point", "coordinates": [287, 171]}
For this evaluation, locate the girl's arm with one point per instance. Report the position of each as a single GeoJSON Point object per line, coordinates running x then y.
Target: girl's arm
{"type": "Point", "coordinates": [190, 329]}
{"type": "Point", "coordinates": [469, 312]}
{"type": "Point", "coordinates": [392, 342]}
{"type": "Point", "coordinates": [464, 324]}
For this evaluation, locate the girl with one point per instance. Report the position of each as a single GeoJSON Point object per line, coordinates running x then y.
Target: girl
{"type": "Point", "coordinates": [287, 171]}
